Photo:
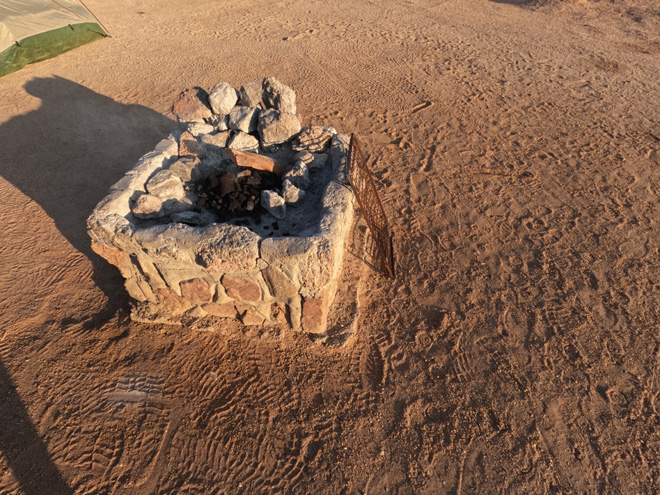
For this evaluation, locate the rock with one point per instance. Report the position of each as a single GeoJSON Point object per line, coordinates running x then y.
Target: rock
{"type": "Point", "coordinates": [245, 119]}
{"type": "Point", "coordinates": [243, 142]}
{"type": "Point", "coordinates": [251, 317]}
{"type": "Point", "coordinates": [218, 140]}
{"type": "Point", "coordinates": [189, 218]}
{"type": "Point", "coordinates": [314, 139]}
{"type": "Point", "coordinates": [314, 161]}
{"type": "Point", "coordinates": [319, 162]}
{"type": "Point", "coordinates": [278, 96]}
{"type": "Point", "coordinates": [223, 98]}
{"type": "Point", "coordinates": [315, 313]}
{"type": "Point", "coordinates": [115, 257]}
{"type": "Point", "coordinates": [276, 127]}
{"type": "Point", "coordinates": [292, 195]}
{"type": "Point", "coordinates": [252, 160]}
{"type": "Point", "coordinates": [196, 290]}
{"type": "Point", "coordinates": [168, 147]}
{"type": "Point", "coordinates": [189, 146]}
{"type": "Point", "coordinates": [174, 303]}
{"type": "Point", "coordinates": [339, 152]}
{"type": "Point", "coordinates": [274, 204]}
{"type": "Point", "coordinates": [226, 310]}
{"type": "Point", "coordinates": [279, 285]}
{"type": "Point", "coordinates": [196, 312]}
{"type": "Point", "coordinates": [172, 206]}
{"type": "Point", "coordinates": [165, 185]}
{"type": "Point", "coordinates": [192, 105]}
{"type": "Point", "coordinates": [303, 156]}
{"type": "Point", "coordinates": [183, 168]}
{"type": "Point", "coordinates": [229, 248]}
{"type": "Point", "coordinates": [147, 207]}
{"type": "Point", "coordinates": [241, 288]}
{"type": "Point", "coordinates": [198, 128]}
{"type": "Point", "coordinates": [250, 94]}
{"type": "Point", "coordinates": [299, 175]}
{"type": "Point", "coordinates": [219, 122]}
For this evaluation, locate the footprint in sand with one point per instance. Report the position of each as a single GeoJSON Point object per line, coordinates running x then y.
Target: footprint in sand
{"type": "Point", "coordinates": [301, 35]}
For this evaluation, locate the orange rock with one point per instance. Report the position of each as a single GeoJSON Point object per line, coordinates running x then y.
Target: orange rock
{"type": "Point", "coordinates": [251, 317]}
{"type": "Point", "coordinates": [226, 310]}
{"type": "Point", "coordinates": [171, 302]}
{"type": "Point", "coordinates": [192, 105]}
{"type": "Point", "coordinates": [189, 146]}
{"type": "Point", "coordinates": [115, 257]}
{"type": "Point", "coordinates": [253, 160]}
{"type": "Point", "coordinates": [315, 313]}
{"type": "Point", "coordinates": [196, 290]}
{"type": "Point", "coordinates": [241, 288]}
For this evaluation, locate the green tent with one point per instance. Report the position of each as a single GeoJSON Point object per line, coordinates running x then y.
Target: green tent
{"type": "Point", "coordinates": [34, 30]}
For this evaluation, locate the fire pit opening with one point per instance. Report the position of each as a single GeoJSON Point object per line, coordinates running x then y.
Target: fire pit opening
{"type": "Point", "coordinates": [240, 213]}
{"type": "Point", "coordinates": [227, 194]}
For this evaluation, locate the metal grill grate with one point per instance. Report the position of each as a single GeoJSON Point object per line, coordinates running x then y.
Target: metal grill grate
{"type": "Point", "coordinates": [364, 188]}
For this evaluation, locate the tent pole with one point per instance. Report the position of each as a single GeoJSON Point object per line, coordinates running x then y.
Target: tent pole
{"type": "Point", "coordinates": [97, 19]}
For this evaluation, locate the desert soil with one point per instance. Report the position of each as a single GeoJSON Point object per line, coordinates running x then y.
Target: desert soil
{"type": "Point", "coordinates": [517, 152]}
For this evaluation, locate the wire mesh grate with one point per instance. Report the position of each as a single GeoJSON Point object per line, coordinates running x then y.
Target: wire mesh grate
{"type": "Point", "coordinates": [365, 191]}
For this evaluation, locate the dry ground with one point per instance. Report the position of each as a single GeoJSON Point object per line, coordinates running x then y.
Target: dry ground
{"type": "Point", "coordinates": [517, 150]}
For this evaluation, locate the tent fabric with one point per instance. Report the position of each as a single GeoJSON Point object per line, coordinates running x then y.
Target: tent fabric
{"type": "Point", "coordinates": [34, 30]}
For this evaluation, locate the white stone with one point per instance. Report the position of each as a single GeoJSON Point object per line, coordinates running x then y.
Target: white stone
{"type": "Point", "coordinates": [299, 175]}
{"type": "Point", "coordinates": [223, 98]}
{"type": "Point", "coordinates": [165, 185]}
{"type": "Point", "coordinates": [273, 203]}
{"type": "Point", "coordinates": [319, 161]}
{"type": "Point", "coordinates": [293, 195]}
{"type": "Point", "coordinates": [172, 206]}
{"type": "Point", "coordinates": [168, 146]}
{"type": "Point", "coordinates": [147, 207]}
{"type": "Point", "coordinates": [219, 122]}
{"type": "Point", "coordinates": [245, 119]}
{"type": "Point", "coordinates": [278, 96]}
{"type": "Point", "coordinates": [183, 168]}
{"type": "Point", "coordinates": [243, 142]}
{"type": "Point", "coordinates": [276, 127]}
{"type": "Point", "coordinates": [303, 156]}
{"type": "Point", "coordinates": [250, 94]}
{"type": "Point", "coordinates": [339, 154]}
{"type": "Point", "coordinates": [198, 128]}
{"type": "Point", "coordinates": [219, 140]}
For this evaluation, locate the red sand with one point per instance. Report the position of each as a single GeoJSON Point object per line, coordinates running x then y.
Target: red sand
{"type": "Point", "coordinates": [517, 151]}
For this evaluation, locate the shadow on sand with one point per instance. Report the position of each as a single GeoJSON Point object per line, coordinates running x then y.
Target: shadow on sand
{"type": "Point", "coordinates": [22, 446]}
{"type": "Point", "coordinates": [67, 153]}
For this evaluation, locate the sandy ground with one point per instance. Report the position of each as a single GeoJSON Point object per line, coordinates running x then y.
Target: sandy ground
{"type": "Point", "coordinates": [517, 151]}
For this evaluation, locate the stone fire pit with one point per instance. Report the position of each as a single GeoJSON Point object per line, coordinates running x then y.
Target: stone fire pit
{"type": "Point", "coordinates": [276, 258]}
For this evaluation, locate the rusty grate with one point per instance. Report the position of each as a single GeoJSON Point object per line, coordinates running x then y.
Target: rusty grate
{"type": "Point", "coordinates": [364, 188]}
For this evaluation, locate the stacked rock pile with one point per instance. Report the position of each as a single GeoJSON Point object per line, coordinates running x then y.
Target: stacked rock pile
{"type": "Point", "coordinates": [223, 132]}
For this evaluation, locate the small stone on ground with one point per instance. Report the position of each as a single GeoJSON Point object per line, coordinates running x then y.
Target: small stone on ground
{"type": "Point", "coordinates": [274, 204]}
